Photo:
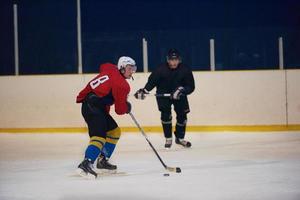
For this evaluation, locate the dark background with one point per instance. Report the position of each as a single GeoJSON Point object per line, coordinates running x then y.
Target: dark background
{"type": "Point", "coordinates": [246, 33]}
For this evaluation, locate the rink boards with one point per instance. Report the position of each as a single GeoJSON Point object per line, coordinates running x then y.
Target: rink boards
{"type": "Point", "coordinates": [232, 100]}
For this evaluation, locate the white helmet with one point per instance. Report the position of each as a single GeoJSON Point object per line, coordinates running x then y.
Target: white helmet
{"type": "Point", "coordinates": [124, 61]}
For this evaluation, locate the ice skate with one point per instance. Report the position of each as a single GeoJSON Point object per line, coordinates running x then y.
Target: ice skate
{"type": "Point", "coordinates": [85, 169]}
{"type": "Point", "coordinates": [103, 166]}
{"type": "Point", "coordinates": [168, 143]}
{"type": "Point", "coordinates": [183, 142]}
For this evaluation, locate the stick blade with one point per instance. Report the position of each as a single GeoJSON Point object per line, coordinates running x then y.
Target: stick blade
{"type": "Point", "coordinates": [174, 169]}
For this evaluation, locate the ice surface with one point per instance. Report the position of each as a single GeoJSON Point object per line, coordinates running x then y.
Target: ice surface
{"type": "Point", "coordinates": [219, 166]}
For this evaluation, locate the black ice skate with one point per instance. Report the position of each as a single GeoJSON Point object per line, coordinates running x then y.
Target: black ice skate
{"type": "Point", "coordinates": [104, 166]}
{"type": "Point", "coordinates": [183, 142]}
{"type": "Point", "coordinates": [85, 169]}
{"type": "Point", "coordinates": [168, 143]}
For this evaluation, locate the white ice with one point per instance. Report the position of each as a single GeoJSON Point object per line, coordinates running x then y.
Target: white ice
{"type": "Point", "coordinates": [219, 166]}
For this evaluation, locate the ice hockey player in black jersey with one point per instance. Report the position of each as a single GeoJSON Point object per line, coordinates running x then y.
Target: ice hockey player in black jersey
{"type": "Point", "coordinates": [175, 78]}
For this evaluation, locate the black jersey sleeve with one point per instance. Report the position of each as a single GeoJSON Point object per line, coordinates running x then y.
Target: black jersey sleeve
{"type": "Point", "coordinates": [152, 80]}
{"type": "Point", "coordinates": [189, 82]}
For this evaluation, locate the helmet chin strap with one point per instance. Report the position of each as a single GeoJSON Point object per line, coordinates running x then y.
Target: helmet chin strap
{"type": "Point", "coordinates": [122, 71]}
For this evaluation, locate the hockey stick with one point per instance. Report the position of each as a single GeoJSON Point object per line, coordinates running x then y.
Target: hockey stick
{"type": "Point", "coordinates": [162, 95]}
{"type": "Point", "coordinates": [157, 95]}
{"type": "Point", "coordinates": [171, 169]}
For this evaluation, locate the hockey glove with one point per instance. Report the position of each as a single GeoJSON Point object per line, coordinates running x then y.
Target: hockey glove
{"type": "Point", "coordinates": [178, 93]}
{"type": "Point", "coordinates": [128, 107]}
{"type": "Point", "coordinates": [141, 94]}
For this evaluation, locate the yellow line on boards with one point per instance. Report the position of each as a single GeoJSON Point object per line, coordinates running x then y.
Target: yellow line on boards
{"type": "Point", "coordinates": [196, 129]}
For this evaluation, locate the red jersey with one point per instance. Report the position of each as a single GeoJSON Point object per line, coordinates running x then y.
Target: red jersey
{"type": "Point", "coordinates": [110, 86]}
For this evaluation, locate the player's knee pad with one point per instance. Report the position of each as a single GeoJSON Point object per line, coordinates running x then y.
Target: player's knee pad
{"type": "Point", "coordinates": [166, 118]}
{"type": "Point", "coordinates": [181, 120]}
{"type": "Point", "coordinates": [97, 141]}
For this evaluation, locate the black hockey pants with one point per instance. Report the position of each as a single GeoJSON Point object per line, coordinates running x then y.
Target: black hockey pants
{"type": "Point", "coordinates": [181, 108]}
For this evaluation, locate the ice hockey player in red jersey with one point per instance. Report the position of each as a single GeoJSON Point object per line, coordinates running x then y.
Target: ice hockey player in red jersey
{"type": "Point", "coordinates": [107, 88]}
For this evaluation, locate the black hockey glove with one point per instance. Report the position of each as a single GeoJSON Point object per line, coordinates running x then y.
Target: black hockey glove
{"type": "Point", "coordinates": [128, 107]}
{"type": "Point", "coordinates": [178, 93]}
{"type": "Point", "coordinates": [141, 94]}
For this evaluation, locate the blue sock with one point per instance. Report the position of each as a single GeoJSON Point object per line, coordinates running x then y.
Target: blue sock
{"type": "Point", "coordinates": [92, 152]}
{"type": "Point", "coordinates": [108, 149]}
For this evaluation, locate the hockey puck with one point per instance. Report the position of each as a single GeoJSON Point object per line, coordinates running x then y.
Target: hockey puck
{"type": "Point", "coordinates": [166, 174]}
{"type": "Point", "coordinates": [178, 170]}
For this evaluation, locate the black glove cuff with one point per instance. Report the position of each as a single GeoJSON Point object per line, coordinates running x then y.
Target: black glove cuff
{"type": "Point", "coordinates": [128, 107]}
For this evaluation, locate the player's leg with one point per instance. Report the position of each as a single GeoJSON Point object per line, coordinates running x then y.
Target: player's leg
{"type": "Point", "coordinates": [166, 121]}
{"type": "Point", "coordinates": [181, 120]}
{"type": "Point", "coordinates": [112, 138]}
{"type": "Point", "coordinates": [181, 108]}
{"type": "Point", "coordinates": [164, 106]}
{"type": "Point", "coordinates": [97, 135]}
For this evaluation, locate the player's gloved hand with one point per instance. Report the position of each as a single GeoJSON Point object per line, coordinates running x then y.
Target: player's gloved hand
{"type": "Point", "coordinates": [178, 93]}
{"type": "Point", "coordinates": [141, 93]}
{"type": "Point", "coordinates": [128, 107]}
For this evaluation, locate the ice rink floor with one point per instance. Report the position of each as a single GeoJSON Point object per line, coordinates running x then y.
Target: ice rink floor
{"type": "Point", "coordinates": [219, 166]}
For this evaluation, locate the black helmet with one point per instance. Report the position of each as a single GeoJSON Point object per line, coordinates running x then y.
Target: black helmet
{"type": "Point", "coordinates": [173, 54]}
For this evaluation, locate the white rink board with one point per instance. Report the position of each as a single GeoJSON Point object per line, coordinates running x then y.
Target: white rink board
{"type": "Point", "coordinates": [222, 166]}
{"type": "Point", "coordinates": [220, 98]}
{"type": "Point", "coordinates": [293, 86]}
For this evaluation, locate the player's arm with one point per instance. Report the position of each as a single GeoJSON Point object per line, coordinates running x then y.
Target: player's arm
{"type": "Point", "coordinates": [189, 81]}
{"type": "Point", "coordinates": [188, 85]}
{"type": "Point", "coordinates": [120, 94]}
{"type": "Point", "coordinates": [152, 80]}
{"type": "Point", "coordinates": [151, 83]}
